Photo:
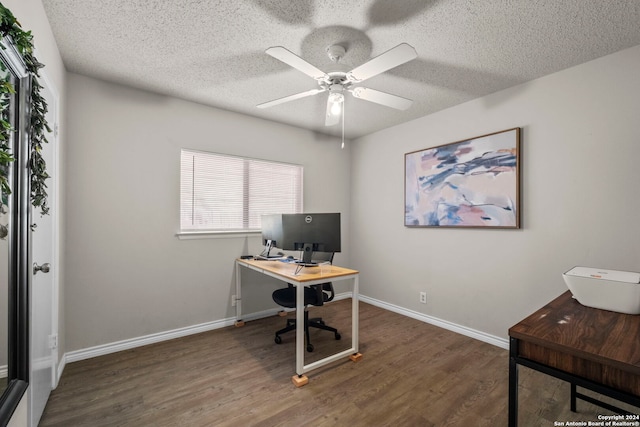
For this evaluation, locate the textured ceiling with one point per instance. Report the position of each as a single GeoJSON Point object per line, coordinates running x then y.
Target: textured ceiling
{"type": "Point", "coordinates": [212, 51]}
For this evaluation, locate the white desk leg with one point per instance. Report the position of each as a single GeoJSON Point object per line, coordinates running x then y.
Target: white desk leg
{"type": "Point", "coordinates": [300, 379]}
{"type": "Point", "coordinates": [239, 321]}
{"type": "Point", "coordinates": [354, 313]}
{"type": "Point", "coordinates": [356, 356]}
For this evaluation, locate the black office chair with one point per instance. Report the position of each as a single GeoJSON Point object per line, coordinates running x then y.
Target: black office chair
{"type": "Point", "coordinates": [315, 295]}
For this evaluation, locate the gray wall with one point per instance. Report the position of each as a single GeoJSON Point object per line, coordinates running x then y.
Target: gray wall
{"type": "Point", "coordinates": [128, 275]}
{"type": "Point", "coordinates": [580, 204]}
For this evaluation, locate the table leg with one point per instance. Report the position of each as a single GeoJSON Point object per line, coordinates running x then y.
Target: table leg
{"type": "Point", "coordinates": [299, 335]}
{"type": "Point", "coordinates": [354, 320]}
{"type": "Point", "coordinates": [239, 321]}
{"type": "Point", "coordinates": [513, 383]}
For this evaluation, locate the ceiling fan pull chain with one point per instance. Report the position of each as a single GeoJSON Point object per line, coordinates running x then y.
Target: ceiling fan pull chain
{"type": "Point", "coordinates": [344, 107]}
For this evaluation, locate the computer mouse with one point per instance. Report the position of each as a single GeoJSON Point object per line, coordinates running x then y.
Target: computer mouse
{"type": "Point", "coordinates": [290, 257]}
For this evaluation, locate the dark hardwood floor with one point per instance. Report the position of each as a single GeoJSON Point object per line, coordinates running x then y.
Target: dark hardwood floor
{"type": "Point", "coordinates": [411, 374]}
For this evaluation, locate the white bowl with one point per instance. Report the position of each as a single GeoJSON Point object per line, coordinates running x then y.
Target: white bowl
{"type": "Point", "coordinates": [605, 289]}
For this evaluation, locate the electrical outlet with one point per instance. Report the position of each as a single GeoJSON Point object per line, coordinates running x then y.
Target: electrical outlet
{"type": "Point", "coordinates": [423, 297]}
{"type": "Point", "coordinates": [233, 300]}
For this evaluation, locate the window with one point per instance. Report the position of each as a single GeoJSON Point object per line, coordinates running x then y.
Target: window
{"type": "Point", "coordinates": [228, 193]}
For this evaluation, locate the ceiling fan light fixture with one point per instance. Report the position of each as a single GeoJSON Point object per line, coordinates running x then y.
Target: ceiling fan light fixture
{"type": "Point", "coordinates": [336, 108]}
{"type": "Point", "coordinates": [336, 99]}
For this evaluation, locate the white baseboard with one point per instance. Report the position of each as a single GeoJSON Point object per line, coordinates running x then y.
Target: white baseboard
{"type": "Point", "coordinates": [114, 347]}
{"type": "Point", "coordinates": [61, 365]}
{"type": "Point", "coordinates": [463, 330]}
{"type": "Point", "coordinates": [109, 348]}
{"type": "Point", "coordinates": [101, 350]}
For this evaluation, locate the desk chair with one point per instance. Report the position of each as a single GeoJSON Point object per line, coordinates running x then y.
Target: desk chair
{"type": "Point", "coordinates": [315, 295]}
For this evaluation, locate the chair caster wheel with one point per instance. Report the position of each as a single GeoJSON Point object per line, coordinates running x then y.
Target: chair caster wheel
{"type": "Point", "coordinates": [309, 348]}
{"type": "Point", "coordinates": [338, 336]}
{"type": "Point", "coordinates": [278, 339]}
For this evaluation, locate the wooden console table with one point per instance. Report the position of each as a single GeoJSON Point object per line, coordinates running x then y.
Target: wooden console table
{"type": "Point", "coordinates": [591, 348]}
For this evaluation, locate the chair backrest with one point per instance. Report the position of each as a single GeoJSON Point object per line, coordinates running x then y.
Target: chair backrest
{"type": "Point", "coordinates": [323, 293]}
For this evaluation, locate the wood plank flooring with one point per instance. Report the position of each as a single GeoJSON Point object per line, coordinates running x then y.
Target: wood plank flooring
{"type": "Point", "coordinates": [411, 374]}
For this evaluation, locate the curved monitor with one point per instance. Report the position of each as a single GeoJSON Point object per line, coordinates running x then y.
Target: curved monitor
{"type": "Point", "coordinates": [306, 232]}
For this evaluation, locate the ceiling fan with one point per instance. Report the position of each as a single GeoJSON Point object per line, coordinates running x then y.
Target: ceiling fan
{"type": "Point", "coordinates": [337, 83]}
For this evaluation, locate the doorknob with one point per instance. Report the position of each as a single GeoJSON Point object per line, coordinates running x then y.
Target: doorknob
{"type": "Point", "coordinates": [44, 267]}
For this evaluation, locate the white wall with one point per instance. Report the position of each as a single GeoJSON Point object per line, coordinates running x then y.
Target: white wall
{"type": "Point", "coordinates": [580, 204]}
{"type": "Point", "coordinates": [128, 275]}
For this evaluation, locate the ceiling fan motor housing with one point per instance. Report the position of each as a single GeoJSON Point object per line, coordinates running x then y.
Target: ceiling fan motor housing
{"type": "Point", "coordinates": [336, 87]}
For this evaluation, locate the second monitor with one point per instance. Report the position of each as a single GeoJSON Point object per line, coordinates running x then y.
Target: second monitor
{"type": "Point", "coordinates": [306, 232]}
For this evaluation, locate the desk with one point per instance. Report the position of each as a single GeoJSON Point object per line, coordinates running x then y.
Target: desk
{"type": "Point", "coordinates": [307, 276]}
{"type": "Point", "coordinates": [587, 347]}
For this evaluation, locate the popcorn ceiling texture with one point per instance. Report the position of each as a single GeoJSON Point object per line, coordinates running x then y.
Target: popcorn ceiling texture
{"type": "Point", "coordinates": [212, 51]}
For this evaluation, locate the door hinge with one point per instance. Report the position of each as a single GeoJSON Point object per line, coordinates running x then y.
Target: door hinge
{"type": "Point", "coordinates": [53, 341]}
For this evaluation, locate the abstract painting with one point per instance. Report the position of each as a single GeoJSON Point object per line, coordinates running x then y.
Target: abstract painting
{"type": "Point", "coordinates": [470, 183]}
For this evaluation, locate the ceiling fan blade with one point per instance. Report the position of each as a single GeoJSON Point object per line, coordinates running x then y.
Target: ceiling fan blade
{"type": "Point", "coordinates": [382, 98]}
{"type": "Point", "coordinates": [383, 62]}
{"type": "Point", "coordinates": [290, 98]}
{"type": "Point", "coordinates": [296, 62]}
{"type": "Point", "coordinates": [331, 119]}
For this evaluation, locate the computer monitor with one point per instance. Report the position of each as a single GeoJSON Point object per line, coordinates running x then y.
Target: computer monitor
{"type": "Point", "coordinates": [271, 234]}
{"type": "Point", "coordinates": [306, 232]}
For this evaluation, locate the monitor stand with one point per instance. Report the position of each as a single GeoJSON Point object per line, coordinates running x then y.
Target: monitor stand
{"type": "Point", "coordinates": [267, 249]}
{"type": "Point", "coordinates": [307, 253]}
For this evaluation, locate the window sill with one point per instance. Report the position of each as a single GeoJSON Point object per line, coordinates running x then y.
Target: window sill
{"type": "Point", "coordinates": [191, 235]}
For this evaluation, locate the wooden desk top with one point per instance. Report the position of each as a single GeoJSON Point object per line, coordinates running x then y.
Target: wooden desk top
{"type": "Point", "coordinates": [566, 326]}
{"type": "Point", "coordinates": [306, 274]}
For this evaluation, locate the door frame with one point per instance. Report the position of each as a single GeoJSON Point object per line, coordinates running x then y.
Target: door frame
{"type": "Point", "coordinates": [54, 213]}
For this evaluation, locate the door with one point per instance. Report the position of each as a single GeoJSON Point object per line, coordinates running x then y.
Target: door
{"type": "Point", "coordinates": [44, 302]}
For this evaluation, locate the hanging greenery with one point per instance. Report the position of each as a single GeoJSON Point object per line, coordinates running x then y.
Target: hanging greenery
{"type": "Point", "coordinates": [6, 90]}
{"type": "Point", "coordinates": [38, 127]}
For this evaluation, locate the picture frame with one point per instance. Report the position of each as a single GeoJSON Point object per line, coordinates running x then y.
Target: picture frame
{"type": "Point", "coordinates": [472, 183]}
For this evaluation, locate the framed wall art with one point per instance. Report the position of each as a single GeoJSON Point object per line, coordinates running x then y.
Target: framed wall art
{"type": "Point", "coordinates": [473, 183]}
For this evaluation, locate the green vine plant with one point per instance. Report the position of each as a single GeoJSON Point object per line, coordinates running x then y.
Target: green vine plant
{"type": "Point", "coordinates": [6, 91]}
{"type": "Point", "coordinates": [10, 28]}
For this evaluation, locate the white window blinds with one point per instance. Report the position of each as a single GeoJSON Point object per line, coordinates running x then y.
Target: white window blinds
{"type": "Point", "coordinates": [228, 193]}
